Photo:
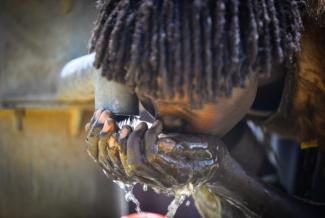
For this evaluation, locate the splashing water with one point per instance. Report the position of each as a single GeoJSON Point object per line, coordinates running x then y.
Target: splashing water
{"type": "Point", "coordinates": [129, 196]}
{"type": "Point", "coordinates": [174, 205]}
{"type": "Point", "coordinates": [181, 195]}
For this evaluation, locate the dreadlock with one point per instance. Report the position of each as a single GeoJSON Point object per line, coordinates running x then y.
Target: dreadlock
{"type": "Point", "coordinates": [195, 48]}
{"type": "Point", "coordinates": [316, 10]}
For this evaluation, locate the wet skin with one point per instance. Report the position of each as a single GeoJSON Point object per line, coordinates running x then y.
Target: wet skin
{"type": "Point", "coordinates": [145, 155]}
{"type": "Point", "coordinates": [170, 160]}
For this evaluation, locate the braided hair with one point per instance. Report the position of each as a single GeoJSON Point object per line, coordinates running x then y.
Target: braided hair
{"type": "Point", "coordinates": [177, 48]}
{"type": "Point", "coordinates": [316, 11]}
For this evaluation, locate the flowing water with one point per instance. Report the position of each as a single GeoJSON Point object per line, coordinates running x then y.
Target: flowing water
{"type": "Point", "coordinates": [145, 188]}
{"type": "Point", "coordinates": [180, 194]}
{"type": "Point", "coordinates": [129, 196]}
{"type": "Point", "coordinates": [174, 205]}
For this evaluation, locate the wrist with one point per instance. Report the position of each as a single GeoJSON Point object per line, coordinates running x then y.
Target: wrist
{"type": "Point", "coordinates": [221, 156]}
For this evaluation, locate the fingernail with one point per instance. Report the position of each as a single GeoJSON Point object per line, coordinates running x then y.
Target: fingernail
{"type": "Point", "coordinates": [105, 115]}
{"type": "Point", "coordinates": [124, 132]}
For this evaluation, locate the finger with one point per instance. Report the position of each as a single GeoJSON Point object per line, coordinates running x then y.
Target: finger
{"type": "Point", "coordinates": [96, 115]}
{"type": "Point", "coordinates": [102, 149]}
{"type": "Point", "coordinates": [92, 140]}
{"type": "Point", "coordinates": [109, 127]}
{"type": "Point", "coordinates": [122, 142]}
{"type": "Point", "coordinates": [135, 144]}
{"type": "Point", "coordinates": [110, 172]}
{"type": "Point", "coordinates": [97, 121]}
{"type": "Point", "coordinates": [137, 165]}
{"type": "Point", "coordinates": [113, 153]}
{"type": "Point", "coordinates": [151, 137]}
{"type": "Point", "coordinates": [105, 115]}
{"type": "Point", "coordinates": [152, 149]}
{"type": "Point", "coordinates": [95, 129]}
{"type": "Point", "coordinates": [104, 131]}
{"type": "Point", "coordinates": [124, 133]}
{"type": "Point", "coordinates": [92, 148]}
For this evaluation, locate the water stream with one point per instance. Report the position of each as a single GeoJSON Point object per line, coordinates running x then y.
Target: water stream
{"type": "Point", "coordinates": [129, 196]}
{"type": "Point", "coordinates": [180, 194]}
{"type": "Point", "coordinates": [174, 205]}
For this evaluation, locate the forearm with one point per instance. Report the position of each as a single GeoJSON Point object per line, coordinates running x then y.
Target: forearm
{"type": "Point", "coordinates": [252, 196]}
{"type": "Point", "coordinates": [172, 160]}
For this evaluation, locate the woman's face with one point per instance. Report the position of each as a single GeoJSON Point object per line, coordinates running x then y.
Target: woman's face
{"type": "Point", "coordinates": [213, 118]}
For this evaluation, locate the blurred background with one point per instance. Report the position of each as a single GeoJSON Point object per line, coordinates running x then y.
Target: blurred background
{"type": "Point", "coordinates": [45, 170]}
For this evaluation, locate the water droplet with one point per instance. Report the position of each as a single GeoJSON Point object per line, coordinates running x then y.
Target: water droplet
{"type": "Point", "coordinates": [105, 173]}
{"type": "Point", "coordinates": [174, 205]}
{"type": "Point", "coordinates": [187, 203]}
{"type": "Point", "coordinates": [129, 196]}
{"type": "Point", "coordinates": [157, 191]}
{"type": "Point", "coordinates": [145, 188]}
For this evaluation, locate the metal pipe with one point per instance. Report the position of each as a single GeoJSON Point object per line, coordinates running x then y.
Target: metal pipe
{"type": "Point", "coordinates": [77, 80]}
{"type": "Point", "coordinates": [80, 81]}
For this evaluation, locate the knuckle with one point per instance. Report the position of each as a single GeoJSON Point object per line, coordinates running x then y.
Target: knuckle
{"type": "Point", "coordinates": [105, 115]}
